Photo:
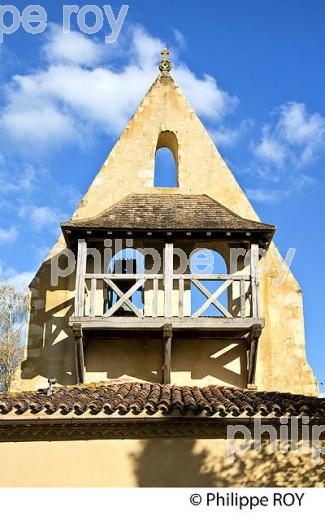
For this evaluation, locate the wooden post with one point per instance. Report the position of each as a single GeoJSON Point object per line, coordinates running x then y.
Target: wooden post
{"type": "Point", "coordinates": [155, 288]}
{"type": "Point", "coordinates": [168, 279]}
{"type": "Point", "coordinates": [252, 356]}
{"type": "Point", "coordinates": [181, 297]}
{"type": "Point", "coordinates": [255, 280]}
{"type": "Point", "coordinates": [93, 289]}
{"type": "Point", "coordinates": [167, 346]}
{"type": "Point", "coordinates": [79, 353]}
{"type": "Point", "coordinates": [80, 278]}
{"type": "Point", "coordinates": [242, 298]}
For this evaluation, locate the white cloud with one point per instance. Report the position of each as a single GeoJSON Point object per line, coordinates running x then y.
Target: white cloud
{"type": "Point", "coordinates": [72, 48]}
{"type": "Point", "coordinates": [145, 48]}
{"type": "Point", "coordinates": [296, 136]}
{"type": "Point", "coordinates": [19, 280]}
{"type": "Point", "coordinates": [206, 97]}
{"type": "Point", "coordinates": [289, 144]}
{"type": "Point", "coordinates": [265, 195]}
{"type": "Point", "coordinates": [74, 96]}
{"type": "Point", "coordinates": [303, 181]}
{"type": "Point", "coordinates": [224, 136]}
{"type": "Point", "coordinates": [270, 150]}
{"type": "Point", "coordinates": [39, 125]}
{"type": "Point", "coordinates": [27, 178]}
{"type": "Point", "coordinates": [44, 217]}
{"type": "Point", "coordinates": [24, 181]}
{"type": "Point", "coordinates": [292, 184]}
{"type": "Point", "coordinates": [21, 187]}
{"type": "Point", "coordinates": [8, 236]}
{"type": "Point", "coordinates": [17, 184]}
{"type": "Point", "coordinates": [299, 128]}
{"type": "Point", "coordinates": [180, 39]}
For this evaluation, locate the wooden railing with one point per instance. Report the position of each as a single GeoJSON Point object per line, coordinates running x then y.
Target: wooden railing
{"type": "Point", "coordinates": [213, 298]}
{"type": "Point", "coordinates": [109, 281]}
{"type": "Point", "coordinates": [93, 301]}
{"type": "Point", "coordinates": [164, 288]}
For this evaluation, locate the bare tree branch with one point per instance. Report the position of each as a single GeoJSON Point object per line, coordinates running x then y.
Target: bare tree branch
{"type": "Point", "coordinates": [13, 309]}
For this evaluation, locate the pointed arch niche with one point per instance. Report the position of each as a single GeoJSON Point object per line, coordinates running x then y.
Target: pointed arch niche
{"type": "Point", "coordinates": [166, 161]}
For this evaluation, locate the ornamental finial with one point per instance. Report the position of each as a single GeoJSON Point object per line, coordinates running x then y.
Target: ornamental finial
{"type": "Point", "coordinates": [165, 65]}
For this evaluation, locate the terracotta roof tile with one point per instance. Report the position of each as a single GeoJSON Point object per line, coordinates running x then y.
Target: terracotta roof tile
{"type": "Point", "coordinates": [134, 398]}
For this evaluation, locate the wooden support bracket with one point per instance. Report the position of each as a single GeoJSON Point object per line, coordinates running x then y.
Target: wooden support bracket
{"type": "Point", "coordinates": [253, 339]}
{"type": "Point", "coordinates": [79, 352]}
{"type": "Point", "coordinates": [167, 346]}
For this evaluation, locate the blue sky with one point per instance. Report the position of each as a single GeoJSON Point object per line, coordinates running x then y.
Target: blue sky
{"type": "Point", "coordinates": [252, 70]}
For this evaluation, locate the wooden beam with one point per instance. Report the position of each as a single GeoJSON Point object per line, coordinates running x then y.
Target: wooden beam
{"type": "Point", "coordinates": [124, 298]}
{"type": "Point", "coordinates": [144, 323]}
{"type": "Point", "coordinates": [254, 336]}
{"type": "Point", "coordinates": [181, 297]}
{"type": "Point", "coordinates": [212, 298]}
{"type": "Point", "coordinates": [155, 293]}
{"type": "Point", "coordinates": [242, 299]}
{"type": "Point", "coordinates": [80, 278]}
{"type": "Point", "coordinates": [168, 279]}
{"type": "Point", "coordinates": [213, 277]}
{"type": "Point", "coordinates": [79, 353]}
{"type": "Point", "coordinates": [93, 289]}
{"type": "Point", "coordinates": [167, 346]}
{"type": "Point", "coordinates": [209, 277]}
{"type": "Point", "coordinates": [120, 277]}
{"type": "Point", "coordinates": [255, 280]}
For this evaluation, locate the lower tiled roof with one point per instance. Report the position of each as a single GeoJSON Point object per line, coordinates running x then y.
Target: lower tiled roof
{"type": "Point", "coordinates": [134, 398]}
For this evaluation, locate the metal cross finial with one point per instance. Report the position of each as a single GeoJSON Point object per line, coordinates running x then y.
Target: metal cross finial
{"type": "Point", "coordinates": [165, 65]}
{"type": "Point", "coordinates": [165, 53]}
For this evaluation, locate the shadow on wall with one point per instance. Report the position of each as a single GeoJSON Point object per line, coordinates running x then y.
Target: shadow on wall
{"type": "Point", "coordinates": [112, 358]}
{"type": "Point", "coordinates": [142, 358]}
{"type": "Point", "coordinates": [189, 463]}
{"type": "Point", "coordinates": [224, 360]}
{"type": "Point", "coordinates": [50, 351]}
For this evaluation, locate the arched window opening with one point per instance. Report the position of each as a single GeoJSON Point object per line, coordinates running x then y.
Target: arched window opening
{"type": "Point", "coordinates": [166, 161]}
{"type": "Point", "coordinates": [126, 261]}
{"type": "Point", "coordinates": [207, 262]}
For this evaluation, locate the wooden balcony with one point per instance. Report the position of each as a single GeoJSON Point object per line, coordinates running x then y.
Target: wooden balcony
{"type": "Point", "coordinates": [166, 297]}
{"type": "Point", "coordinates": [165, 303]}
{"type": "Point", "coordinates": [106, 305]}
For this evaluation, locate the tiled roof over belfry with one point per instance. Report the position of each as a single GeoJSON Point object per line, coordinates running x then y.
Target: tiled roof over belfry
{"type": "Point", "coordinates": [169, 212]}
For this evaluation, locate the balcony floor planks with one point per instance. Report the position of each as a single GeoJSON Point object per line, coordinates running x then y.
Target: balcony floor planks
{"type": "Point", "coordinates": [147, 323]}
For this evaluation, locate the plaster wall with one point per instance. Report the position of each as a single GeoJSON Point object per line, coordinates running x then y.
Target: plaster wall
{"type": "Point", "coordinates": [151, 463]}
